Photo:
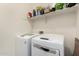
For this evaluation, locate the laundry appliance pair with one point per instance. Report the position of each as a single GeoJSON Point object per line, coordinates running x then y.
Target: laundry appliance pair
{"type": "Point", "coordinates": [40, 45]}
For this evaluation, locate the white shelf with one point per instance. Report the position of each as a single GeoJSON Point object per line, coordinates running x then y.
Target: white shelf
{"type": "Point", "coordinates": [57, 12]}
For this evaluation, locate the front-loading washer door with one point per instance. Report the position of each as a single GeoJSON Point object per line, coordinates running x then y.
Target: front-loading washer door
{"type": "Point", "coordinates": [38, 50]}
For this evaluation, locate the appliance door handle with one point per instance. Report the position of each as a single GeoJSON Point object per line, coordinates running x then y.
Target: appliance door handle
{"type": "Point", "coordinates": [44, 38]}
{"type": "Point", "coordinates": [44, 49]}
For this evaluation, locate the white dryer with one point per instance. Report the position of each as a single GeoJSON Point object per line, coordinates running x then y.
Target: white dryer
{"type": "Point", "coordinates": [48, 45]}
{"type": "Point", "coordinates": [23, 44]}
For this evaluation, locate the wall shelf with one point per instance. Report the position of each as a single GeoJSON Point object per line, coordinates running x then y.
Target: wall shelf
{"type": "Point", "coordinates": [57, 12]}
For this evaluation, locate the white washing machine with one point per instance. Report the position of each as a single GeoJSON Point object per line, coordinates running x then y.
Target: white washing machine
{"type": "Point", "coordinates": [23, 44]}
{"type": "Point", "coordinates": [48, 45]}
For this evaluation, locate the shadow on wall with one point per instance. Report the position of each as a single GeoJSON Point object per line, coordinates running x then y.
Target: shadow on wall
{"type": "Point", "coordinates": [68, 52]}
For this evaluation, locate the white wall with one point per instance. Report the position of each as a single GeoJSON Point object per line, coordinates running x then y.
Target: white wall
{"type": "Point", "coordinates": [12, 22]}
{"type": "Point", "coordinates": [77, 23]}
{"type": "Point", "coordinates": [60, 24]}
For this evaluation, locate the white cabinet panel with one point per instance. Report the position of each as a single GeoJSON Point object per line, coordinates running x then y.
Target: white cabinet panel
{"type": "Point", "coordinates": [21, 47]}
